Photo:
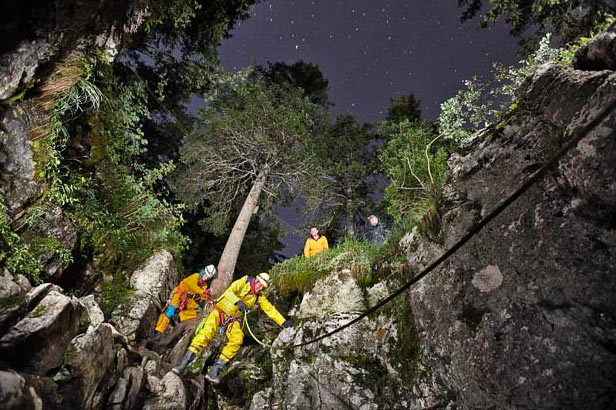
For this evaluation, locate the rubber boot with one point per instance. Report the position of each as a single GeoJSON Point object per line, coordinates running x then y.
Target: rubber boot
{"type": "Point", "coordinates": [157, 336]}
{"type": "Point", "coordinates": [181, 368]}
{"type": "Point", "coordinates": [212, 375]}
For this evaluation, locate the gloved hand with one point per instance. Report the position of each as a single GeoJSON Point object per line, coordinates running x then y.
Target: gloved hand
{"type": "Point", "coordinates": [287, 323]}
{"type": "Point", "coordinates": [242, 307]}
{"type": "Point", "coordinates": [170, 311]}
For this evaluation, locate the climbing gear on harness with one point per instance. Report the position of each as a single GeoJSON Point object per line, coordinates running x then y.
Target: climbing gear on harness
{"type": "Point", "coordinates": [228, 323]}
{"type": "Point", "coordinates": [212, 375]}
{"type": "Point", "coordinates": [181, 368]}
{"type": "Point", "coordinates": [264, 278]}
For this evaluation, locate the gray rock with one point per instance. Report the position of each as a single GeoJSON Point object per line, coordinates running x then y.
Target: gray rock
{"type": "Point", "coordinates": [95, 314]}
{"type": "Point", "coordinates": [16, 159]}
{"type": "Point", "coordinates": [87, 360]}
{"type": "Point", "coordinates": [64, 25]}
{"type": "Point", "coordinates": [523, 315]}
{"type": "Point", "coordinates": [351, 369]}
{"type": "Point", "coordinates": [136, 316]}
{"type": "Point", "coordinates": [12, 297]}
{"type": "Point", "coordinates": [599, 53]}
{"type": "Point", "coordinates": [157, 277]}
{"type": "Point", "coordinates": [20, 65]}
{"type": "Point", "coordinates": [336, 293]}
{"type": "Point", "coordinates": [126, 389]}
{"type": "Point", "coordinates": [171, 394]}
{"type": "Point", "coordinates": [15, 394]}
{"type": "Point", "coordinates": [153, 282]}
{"type": "Point", "coordinates": [38, 341]}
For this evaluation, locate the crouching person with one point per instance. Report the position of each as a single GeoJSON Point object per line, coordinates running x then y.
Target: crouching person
{"type": "Point", "coordinates": [186, 299]}
{"type": "Point", "coordinates": [241, 296]}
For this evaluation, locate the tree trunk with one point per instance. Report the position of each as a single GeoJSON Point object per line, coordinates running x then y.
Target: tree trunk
{"type": "Point", "coordinates": [349, 223]}
{"type": "Point", "coordinates": [228, 259]}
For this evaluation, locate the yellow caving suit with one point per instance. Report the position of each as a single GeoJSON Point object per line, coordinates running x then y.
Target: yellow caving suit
{"type": "Point", "coordinates": [239, 290]}
{"type": "Point", "coordinates": [191, 310]}
{"type": "Point", "coordinates": [313, 247]}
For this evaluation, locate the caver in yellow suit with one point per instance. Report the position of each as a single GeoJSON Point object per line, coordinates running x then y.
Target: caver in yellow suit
{"type": "Point", "coordinates": [185, 299]}
{"type": "Point", "coordinates": [243, 294]}
{"type": "Point", "coordinates": [312, 246]}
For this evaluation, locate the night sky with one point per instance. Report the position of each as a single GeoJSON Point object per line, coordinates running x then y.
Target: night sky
{"type": "Point", "coordinates": [369, 51]}
{"type": "Point", "coordinates": [372, 50]}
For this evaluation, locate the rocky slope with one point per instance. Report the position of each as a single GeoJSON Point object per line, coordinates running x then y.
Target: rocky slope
{"type": "Point", "coordinates": [521, 317]}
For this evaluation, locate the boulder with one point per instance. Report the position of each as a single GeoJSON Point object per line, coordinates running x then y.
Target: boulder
{"type": "Point", "coordinates": [170, 394]}
{"type": "Point", "coordinates": [95, 314]}
{"type": "Point", "coordinates": [17, 165]}
{"type": "Point", "coordinates": [337, 293]}
{"type": "Point", "coordinates": [12, 298]}
{"type": "Point", "coordinates": [157, 277]}
{"type": "Point", "coordinates": [599, 53]}
{"type": "Point", "coordinates": [152, 283]}
{"type": "Point", "coordinates": [87, 360]}
{"type": "Point", "coordinates": [15, 394]}
{"type": "Point", "coordinates": [37, 342]}
{"type": "Point", "coordinates": [127, 388]}
{"type": "Point", "coordinates": [53, 226]}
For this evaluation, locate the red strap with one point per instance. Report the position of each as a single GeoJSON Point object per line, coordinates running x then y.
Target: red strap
{"type": "Point", "coordinates": [221, 314]}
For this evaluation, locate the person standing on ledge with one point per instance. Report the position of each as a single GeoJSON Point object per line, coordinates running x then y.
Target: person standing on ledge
{"type": "Point", "coordinates": [315, 243]}
{"type": "Point", "coordinates": [375, 232]}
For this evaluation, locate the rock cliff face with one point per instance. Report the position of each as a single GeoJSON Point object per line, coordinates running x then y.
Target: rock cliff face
{"type": "Point", "coordinates": [37, 32]}
{"type": "Point", "coordinates": [523, 315]}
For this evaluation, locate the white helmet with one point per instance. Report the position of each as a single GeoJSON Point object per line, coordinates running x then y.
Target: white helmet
{"type": "Point", "coordinates": [208, 272]}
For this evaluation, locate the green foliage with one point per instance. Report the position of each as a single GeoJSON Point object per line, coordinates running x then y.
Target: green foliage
{"type": "Point", "coordinates": [118, 213]}
{"type": "Point", "coordinates": [403, 107]}
{"type": "Point", "coordinates": [106, 193]}
{"type": "Point", "coordinates": [485, 101]}
{"type": "Point", "coordinates": [14, 253]}
{"type": "Point", "coordinates": [249, 128]}
{"type": "Point", "coordinates": [532, 19]}
{"type": "Point", "coordinates": [174, 52]}
{"type": "Point", "coordinates": [348, 160]}
{"type": "Point", "coordinates": [299, 274]}
{"type": "Point", "coordinates": [306, 76]}
{"type": "Point", "coordinates": [568, 53]}
{"type": "Point", "coordinates": [415, 162]}
{"type": "Point", "coordinates": [114, 293]}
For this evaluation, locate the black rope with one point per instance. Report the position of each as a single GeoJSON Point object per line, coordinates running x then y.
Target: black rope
{"type": "Point", "coordinates": [474, 230]}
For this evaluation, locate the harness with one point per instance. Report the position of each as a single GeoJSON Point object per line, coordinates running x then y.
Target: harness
{"type": "Point", "coordinates": [186, 296]}
{"type": "Point", "coordinates": [226, 321]}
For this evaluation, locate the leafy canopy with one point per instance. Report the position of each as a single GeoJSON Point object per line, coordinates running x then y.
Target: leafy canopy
{"type": "Point", "coordinates": [349, 162]}
{"type": "Point", "coordinates": [249, 128]}
{"type": "Point", "coordinates": [532, 19]}
{"type": "Point", "coordinates": [415, 162]}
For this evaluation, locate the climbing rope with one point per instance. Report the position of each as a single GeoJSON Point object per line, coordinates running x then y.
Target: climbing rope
{"type": "Point", "coordinates": [474, 230]}
{"type": "Point", "coordinates": [252, 334]}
